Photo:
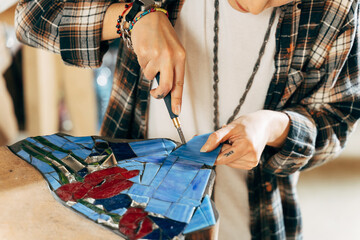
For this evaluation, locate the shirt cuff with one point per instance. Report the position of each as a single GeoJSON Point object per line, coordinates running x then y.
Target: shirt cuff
{"type": "Point", "coordinates": [299, 146]}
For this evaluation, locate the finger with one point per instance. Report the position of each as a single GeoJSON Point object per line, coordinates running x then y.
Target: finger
{"type": "Point", "coordinates": [235, 152]}
{"type": "Point", "coordinates": [240, 165]}
{"type": "Point", "coordinates": [150, 70]}
{"type": "Point", "coordinates": [165, 85]}
{"type": "Point", "coordinates": [225, 147]}
{"type": "Point", "coordinates": [216, 138]}
{"type": "Point", "coordinates": [177, 91]}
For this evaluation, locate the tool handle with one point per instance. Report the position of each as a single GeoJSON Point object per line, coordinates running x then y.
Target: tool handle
{"type": "Point", "coordinates": [167, 99]}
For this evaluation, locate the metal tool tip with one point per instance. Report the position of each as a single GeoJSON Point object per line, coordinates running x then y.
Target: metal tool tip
{"type": "Point", "coordinates": [181, 134]}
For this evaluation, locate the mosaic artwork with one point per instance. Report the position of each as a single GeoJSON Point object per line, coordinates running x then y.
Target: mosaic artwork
{"type": "Point", "coordinates": [150, 189]}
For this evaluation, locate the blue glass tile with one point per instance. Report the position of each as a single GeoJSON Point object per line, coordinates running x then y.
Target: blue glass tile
{"type": "Point", "coordinates": [83, 172]}
{"type": "Point", "coordinates": [52, 181]}
{"type": "Point", "coordinates": [170, 227]}
{"type": "Point", "coordinates": [157, 206]}
{"type": "Point", "coordinates": [70, 146]}
{"type": "Point", "coordinates": [36, 143]}
{"type": "Point", "coordinates": [155, 235]}
{"type": "Point", "coordinates": [169, 145]}
{"type": "Point", "coordinates": [80, 140]}
{"type": "Point", "coordinates": [135, 179]}
{"type": "Point", "coordinates": [81, 153]}
{"type": "Point", "coordinates": [149, 147]}
{"type": "Point", "coordinates": [88, 145]}
{"type": "Point", "coordinates": [180, 212]}
{"type": "Point", "coordinates": [138, 189]}
{"type": "Point", "coordinates": [130, 163]}
{"type": "Point", "coordinates": [206, 208]}
{"type": "Point", "coordinates": [104, 217]}
{"type": "Point", "coordinates": [139, 199]}
{"type": "Point", "coordinates": [86, 211]}
{"type": "Point", "coordinates": [24, 155]}
{"type": "Point", "coordinates": [122, 151]}
{"type": "Point", "coordinates": [120, 211]}
{"type": "Point", "coordinates": [163, 172]}
{"type": "Point", "coordinates": [191, 202]}
{"type": "Point", "coordinates": [191, 151]}
{"type": "Point", "coordinates": [59, 155]}
{"type": "Point", "coordinates": [151, 159]}
{"type": "Point", "coordinates": [190, 162]}
{"type": "Point", "coordinates": [203, 217]}
{"type": "Point", "coordinates": [150, 172]}
{"type": "Point", "coordinates": [175, 183]}
{"type": "Point", "coordinates": [55, 139]}
{"type": "Point", "coordinates": [197, 187]}
{"type": "Point", "coordinates": [55, 175]}
{"type": "Point", "coordinates": [118, 201]}
{"type": "Point", "coordinates": [42, 166]}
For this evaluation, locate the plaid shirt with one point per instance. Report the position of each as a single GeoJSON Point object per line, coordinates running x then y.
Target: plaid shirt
{"type": "Point", "coordinates": [316, 83]}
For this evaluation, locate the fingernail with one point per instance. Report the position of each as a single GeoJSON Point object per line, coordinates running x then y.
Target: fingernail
{"type": "Point", "coordinates": [204, 148]}
{"type": "Point", "coordinates": [177, 110]}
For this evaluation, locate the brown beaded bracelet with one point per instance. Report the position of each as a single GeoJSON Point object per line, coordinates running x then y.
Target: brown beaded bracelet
{"type": "Point", "coordinates": [127, 7]}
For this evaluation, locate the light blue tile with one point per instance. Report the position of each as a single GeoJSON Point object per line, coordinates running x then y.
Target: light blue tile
{"type": "Point", "coordinates": [55, 175]}
{"type": "Point", "coordinates": [88, 145]}
{"type": "Point", "coordinates": [191, 151]}
{"type": "Point", "coordinates": [86, 211]}
{"type": "Point", "coordinates": [24, 155]}
{"type": "Point", "coordinates": [151, 159]}
{"type": "Point", "coordinates": [157, 206]}
{"type": "Point", "coordinates": [42, 166]}
{"type": "Point", "coordinates": [120, 211]}
{"type": "Point", "coordinates": [36, 143]}
{"type": "Point", "coordinates": [150, 172]}
{"type": "Point", "coordinates": [59, 155]}
{"type": "Point", "coordinates": [82, 153]}
{"type": "Point", "coordinates": [70, 146]}
{"type": "Point", "coordinates": [169, 145]}
{"type": "Point", "coordinates": [52, 181]}
{"type": "Point", "coordinates": [203, 217]}
{"type": "Point", "coordinates": [197, 187]}
{"type": "Point", "coordinates": [139, 199]}
{"type": "Point", "coordinates": [159, 178]}
{"type": "Point", "coordinates": [180, 212]}
{"type": "Point", "coordinates": [191, 202]}
{"type": "Point", "coordinates": [135, 179]}
{"type": "Point", "coordinates": [175, 183]}
{"type": "Point", "coordinates": [55, 139]}
{"type": "Point", "coordinates": [80, 140]}
{"type": "Point", "coordinates": [141, 190]}
{"type": "Point", "coordinates": [104, 217]}
{"type": "Point", "coordinates": [149, 147]}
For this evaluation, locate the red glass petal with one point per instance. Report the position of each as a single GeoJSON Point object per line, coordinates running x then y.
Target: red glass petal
{"type": "Point", "coordinates": [82, 191]}
{"type": "Point", "coordinates": [145, 229]}
{"type": "Point", "coordinates": [109, 188]}
{"type": "Point", "coordinates": [98, 176]}
{"type": "Point", "coordinates": [65, 192]}
{"type": "Point", "coordinates": [130, 174]}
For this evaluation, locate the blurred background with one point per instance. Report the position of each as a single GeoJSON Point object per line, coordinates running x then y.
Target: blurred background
{"type": "Point", "coordinates": [39, 95]}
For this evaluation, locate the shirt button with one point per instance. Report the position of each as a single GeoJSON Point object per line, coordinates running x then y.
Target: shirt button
{"type": "Point", "coordinates": [299, 6]}
{"type": "Point", "coordinates": [268, 186]}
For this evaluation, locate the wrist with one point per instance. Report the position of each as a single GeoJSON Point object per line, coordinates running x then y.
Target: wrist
{"type": "Point", "coordinates": [279, 126]}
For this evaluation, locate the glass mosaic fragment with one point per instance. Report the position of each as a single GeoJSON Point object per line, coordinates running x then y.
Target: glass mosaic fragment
{"type": "Point", "coordinates": [197, 187]}
{"type": "Point", "coordinates": [170, 227]}
{"type": "Point", "coordinates": [139, 198]}
{"type": "Point", "coordinates": [152, 147]}
{"type": "Point", "coordinates": [24, 155]}
{"type": "Point", "coordinates": [118, 201]}
{"type": "Point", "coordinates": [122, 151]}
{"type": "Point", "coordinates": [42, 166]}
{"type": "Point", "coordinates": [157, 206]}
{"type": "Point", "coordinates": [53, 182]}
{"type": "Point", "coordinates": [180, 212]}
{"type": "Point", "coordinates": [150, 172]}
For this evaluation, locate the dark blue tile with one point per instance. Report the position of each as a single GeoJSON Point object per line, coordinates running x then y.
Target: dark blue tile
{"type": "Point", "coordinates": [83, 172]}
{"type": "Point", "coordinates": [157, 206]}
{"type": "Point", "coordinates": [122, 151]}
{"type": "Point", "coordinates": [42, 166]}
{"type": "Point", "coordinates": [180, 212]}
{"type": "Point", "coordinates": [118, 201]}
{"type": "Point", "coordinates": [197, 187]}
{"type": "Point", "coordinates": [170, 227]}
{"type": "Point", "coordinates": [150, 172]}
{"type": "Point", "coordinates": [191, 151]}
{"type": "Point", "coordinates": [24, 155]}
{"type": "Point", "coordinates": [154, 235]}
{"type": "Point", "coordinates": [139, 198]}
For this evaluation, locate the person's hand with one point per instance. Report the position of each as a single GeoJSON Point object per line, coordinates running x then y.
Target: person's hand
{"type": "Point", "coordinates": [247, 137]}
{"type": "Point", "coordinates": [158, 49]}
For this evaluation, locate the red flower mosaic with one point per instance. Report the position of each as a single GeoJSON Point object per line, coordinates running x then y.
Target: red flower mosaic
{"type": "Point", "coordinates": [135, 223]}
{"type": "Point", "coordinates": [98, 185]}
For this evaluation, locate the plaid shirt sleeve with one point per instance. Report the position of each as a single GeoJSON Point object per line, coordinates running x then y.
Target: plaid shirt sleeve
{"type": "Point", "coordinates": [72, 28]}
{"type": "Point", "coordinates": [321, 123]}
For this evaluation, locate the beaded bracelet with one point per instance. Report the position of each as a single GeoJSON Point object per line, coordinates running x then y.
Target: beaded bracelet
{"type": "Point", "coordinates": [126, 32]}
{"type": "Point", "coordinates": [145, 13]}
{"type": "Point", "coordinates": [127, 7]}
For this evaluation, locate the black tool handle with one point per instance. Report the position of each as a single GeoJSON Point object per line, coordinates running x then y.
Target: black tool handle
{"type": "Point", "coordinates": [167, 99]}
